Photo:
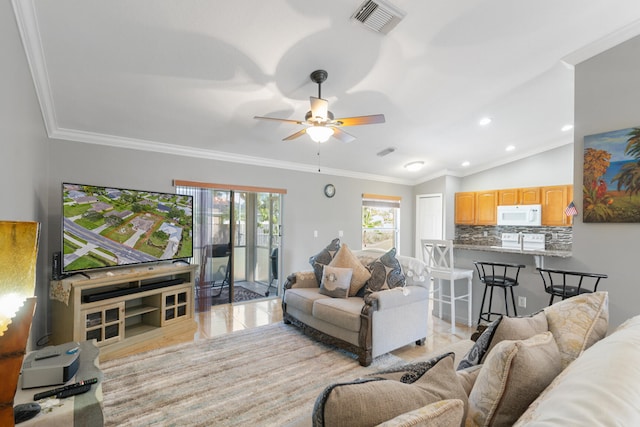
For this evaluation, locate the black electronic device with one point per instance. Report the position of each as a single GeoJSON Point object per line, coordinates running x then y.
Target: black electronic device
{"type": "Point", "coordinates": [25, 411]}
{"type": "Point", "coordinates": [73, 391]}
{"type": "Point", "coordinates": [128, 291]}
{"type": "Point", "coordinates": [55, 391]}
{"type": "Point", "coordinates": [56, 266]}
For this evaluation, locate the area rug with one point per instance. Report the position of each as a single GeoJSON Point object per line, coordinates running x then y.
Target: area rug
{"type": "Point", "coordinates": [240, 294]}
{"type": "Point", "coordinates": [264, 376]}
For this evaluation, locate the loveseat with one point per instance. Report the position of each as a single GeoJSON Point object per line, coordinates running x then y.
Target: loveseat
{"type": "Point", "coordinates": [554, 368]}
{"type": "Point", "coordinates": [366, 302]}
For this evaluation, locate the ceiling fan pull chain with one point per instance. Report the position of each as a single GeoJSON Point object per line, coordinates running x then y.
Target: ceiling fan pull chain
{"type": "Point", "coordinates": [318, 157]}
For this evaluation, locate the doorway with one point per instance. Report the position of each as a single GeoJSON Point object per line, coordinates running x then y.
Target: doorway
{"type": "Point", "coordinates": [429, 219]}
{"type": "Point", "coordinates": [236, 244]}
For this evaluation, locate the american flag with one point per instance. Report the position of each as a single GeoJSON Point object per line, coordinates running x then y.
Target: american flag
{"type": "Point", "coordinates": [571, 210]}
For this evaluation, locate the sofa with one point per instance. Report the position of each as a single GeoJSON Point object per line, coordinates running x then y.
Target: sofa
{"type": "Point", "coordinates": [554, 368]}
{"type": "Point", "coordinates": [366, 302]}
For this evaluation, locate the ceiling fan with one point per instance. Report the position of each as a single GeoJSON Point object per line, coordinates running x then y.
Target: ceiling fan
{"type": "Point", "coordinates": [319, 122]}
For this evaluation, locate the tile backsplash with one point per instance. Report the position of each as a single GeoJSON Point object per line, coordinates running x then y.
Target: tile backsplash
{"type": "Point", "coordinates": [556, 238]}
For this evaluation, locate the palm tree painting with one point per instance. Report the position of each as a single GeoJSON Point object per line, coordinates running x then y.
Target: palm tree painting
{"type": "Point", "coordinates": [611, 183]}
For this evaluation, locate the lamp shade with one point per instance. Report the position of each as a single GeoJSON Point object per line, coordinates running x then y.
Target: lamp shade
{"type": "Point", "coordinates": [319, 133]}
{"type": "Point", "coordinates": [18, 255]}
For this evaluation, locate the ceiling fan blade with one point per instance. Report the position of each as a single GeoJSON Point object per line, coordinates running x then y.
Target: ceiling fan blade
{"type": "Point", "coordinates": [360, 120]}
{"type": "Point", "coordinates": [342, 135]}
{"type": "Point", "coordinates": [297, 122]}
{"type": "Point", "coordinates": [319, 108]}
{"type": "Point", "coordinates": [296, 135]}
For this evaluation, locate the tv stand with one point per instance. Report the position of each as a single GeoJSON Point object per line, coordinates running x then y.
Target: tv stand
{"type": "Point", "coordinates": [125, 310]}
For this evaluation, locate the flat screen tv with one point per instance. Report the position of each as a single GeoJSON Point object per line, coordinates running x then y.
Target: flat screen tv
{"type": "Point", "coordinates": [106, 227]}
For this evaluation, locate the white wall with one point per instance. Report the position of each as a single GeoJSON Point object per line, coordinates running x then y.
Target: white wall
{"type": "Point", "coordinates": [25, 148]}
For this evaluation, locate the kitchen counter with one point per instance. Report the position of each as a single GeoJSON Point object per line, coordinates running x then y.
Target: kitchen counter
{"type": "Point", "coordinates": [542, 253]}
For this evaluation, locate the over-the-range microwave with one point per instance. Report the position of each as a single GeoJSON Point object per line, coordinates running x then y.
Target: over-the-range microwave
{"type": "Point", "coordinates": [523, 215]}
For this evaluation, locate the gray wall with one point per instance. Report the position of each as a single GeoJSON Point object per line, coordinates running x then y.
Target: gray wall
{"type": "Point", "coordinates": [606, 100]}
{"type": "Point", "coordinates": [306, 209]}
{"type": "Point", "coordinates": [25, 149]}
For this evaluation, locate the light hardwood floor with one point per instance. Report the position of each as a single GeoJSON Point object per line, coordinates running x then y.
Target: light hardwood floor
{"type": "Point", "coordinates": [227, 318]}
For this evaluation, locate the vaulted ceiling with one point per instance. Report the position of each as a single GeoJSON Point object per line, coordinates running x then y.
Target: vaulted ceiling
{"type": "Point", "coordinates": [187, 77]}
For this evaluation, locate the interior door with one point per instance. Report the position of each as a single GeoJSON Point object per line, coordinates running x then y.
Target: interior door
{"type": "Point", "coordinates": [429, 219]}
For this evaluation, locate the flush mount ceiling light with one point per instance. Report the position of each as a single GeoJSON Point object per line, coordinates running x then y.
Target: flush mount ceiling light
{"type": "Point", "coordinates": [319, 133]}
{"type": "Point", "coordinates": [465, 164]}
{"type": "Point", "coordinates": [484, 121]}
{"type": "Point", "coordinates": [414, 166]}
{"type": "Point", "coordinates": [566, 128]}
{"type": "Point", "coordinates": [510, 148]}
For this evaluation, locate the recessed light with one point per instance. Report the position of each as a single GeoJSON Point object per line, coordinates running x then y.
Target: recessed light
{"type": "Point", "coordinates": [510, 147]}
{"type": "Point", "coordinates": [465, 164]}
{"type": "Point", "coordinates": [484, 121]}
{"type": "Point", "coordinates": [566, 128]}
{"type": "Point", "coordinates": [414, 166]}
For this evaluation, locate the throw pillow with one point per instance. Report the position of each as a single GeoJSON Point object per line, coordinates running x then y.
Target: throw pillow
{"type": "Point", "coordinates": [518, 328]}
{"type": "Point", "coordinates": [578, 322]}
{"type": "Point", "coordinates": [335, 281]}
{"type": "Point", "coordinates": [476, 353]}
{"type": "Point", "coordinates": [445, 413]}
{"type": "Point", "coordinates": [386, 273]}
{"type": "Point", "coordinates": [371, 401]}
{"type": "Point", "coordinates": [344, 258]}
{"type": "Point", "coordinates": [323, 258]}
{"type": "Point", "coordinates": [512, 377]}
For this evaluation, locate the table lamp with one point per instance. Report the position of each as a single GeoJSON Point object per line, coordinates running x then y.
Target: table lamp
{"type": "Point", "coordinates": [18, 255]}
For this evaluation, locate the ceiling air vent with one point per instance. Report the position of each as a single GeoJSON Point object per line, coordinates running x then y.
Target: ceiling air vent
{"type": "Point", "coordinates": [378, 16]}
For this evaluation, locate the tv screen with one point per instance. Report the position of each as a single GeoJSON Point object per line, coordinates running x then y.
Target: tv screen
{"type": "Point", "coordinates": [107, 227]}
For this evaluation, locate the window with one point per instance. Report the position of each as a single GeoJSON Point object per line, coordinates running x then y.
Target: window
{"type": "Point", "coordinates": [380, 221]}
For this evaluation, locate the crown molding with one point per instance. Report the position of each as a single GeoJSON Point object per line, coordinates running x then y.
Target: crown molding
{"type": "Point", "coordinates": [604, 43]}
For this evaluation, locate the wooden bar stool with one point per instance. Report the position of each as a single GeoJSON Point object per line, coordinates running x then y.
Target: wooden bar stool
{"type": "Point", "coordinates": [501, 275]}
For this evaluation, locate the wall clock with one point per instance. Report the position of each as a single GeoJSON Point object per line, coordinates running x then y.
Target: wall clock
{"type": "Point", "coordinates": [329, 190]}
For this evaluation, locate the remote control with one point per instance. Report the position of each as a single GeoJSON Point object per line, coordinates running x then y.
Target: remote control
{"type": "Point", "coordinates": [73, 391]}
{"type": "Point", "coordinates": [55, 391]}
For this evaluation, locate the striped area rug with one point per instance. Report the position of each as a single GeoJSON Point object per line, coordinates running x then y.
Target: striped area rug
{"type": "Point", "coordinates": [265, 376]}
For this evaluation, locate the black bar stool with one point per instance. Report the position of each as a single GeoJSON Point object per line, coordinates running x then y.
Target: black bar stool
{"type": "Point", "coordinates": [497, 274]}
{"type": "Point", "coordinates": [566, 283]}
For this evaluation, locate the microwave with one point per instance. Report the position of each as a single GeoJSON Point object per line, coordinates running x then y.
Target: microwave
{"type": "Point", "coordinates": [524, 215]}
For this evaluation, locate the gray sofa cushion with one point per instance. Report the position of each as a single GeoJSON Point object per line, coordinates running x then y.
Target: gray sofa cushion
{"type": "Point", "coordinates": [303, 298]}
{"type": "Point", "coordinates": [342, 312]}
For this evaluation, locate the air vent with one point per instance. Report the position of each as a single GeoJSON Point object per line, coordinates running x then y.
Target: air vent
{"type": "Point", "coordinates": [378, 16]}
{"type": "Point", "coordinates": [386, 151]}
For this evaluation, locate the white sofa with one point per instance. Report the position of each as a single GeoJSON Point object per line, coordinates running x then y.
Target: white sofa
{"type": "Point", "coordinates": [556, 369]}
{"type": "Point", "coordinates": [369, 325]}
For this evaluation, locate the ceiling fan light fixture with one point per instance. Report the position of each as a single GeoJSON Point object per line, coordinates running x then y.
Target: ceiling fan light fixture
{"type": "Point", "coordinates": [414, 166]}
{"type": "Point", "coordinates": [319, 133]}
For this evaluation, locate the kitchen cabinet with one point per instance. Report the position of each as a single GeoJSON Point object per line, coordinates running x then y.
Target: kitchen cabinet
{"type": "Point", "coordinates": [476, 207]}
{"type": "Point", "coordinates": [554, 201]}
{"type": "Point", "coordinates": [465, 208]}
{"type": "Point", "coordinates": [486, 207]}
{"type": "Point", "coordinates": [519, 196]}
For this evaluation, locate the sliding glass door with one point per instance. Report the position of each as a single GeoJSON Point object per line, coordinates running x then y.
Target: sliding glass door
{"type": "Point", "coordinates": [236, 244]}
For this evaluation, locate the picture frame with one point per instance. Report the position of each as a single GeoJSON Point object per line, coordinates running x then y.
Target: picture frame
{"type": "Point", "coordinates": [611, 177]}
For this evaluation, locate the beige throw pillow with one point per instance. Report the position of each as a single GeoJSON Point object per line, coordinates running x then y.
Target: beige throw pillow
{"type": "Point", "coordinates": [344, 258]}
{"type": "Point", "coordinates": [371, 401]}
{"type": "Point", "coordinates": [578, 322]}
{"type": "Point", "coordinates": [444, 413]}
{"type": "Point", "coordinates": [512, 377]}
{"type": "Point", "coordinates": [518, 328]}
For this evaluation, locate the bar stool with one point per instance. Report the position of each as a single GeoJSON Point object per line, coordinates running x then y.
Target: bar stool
{"type": "Point", "coordinates": [497, 274]}
{"type": "Point", "coordinates": [566, 283]}
{"type": "Point", "coordinates": [438, 255]}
